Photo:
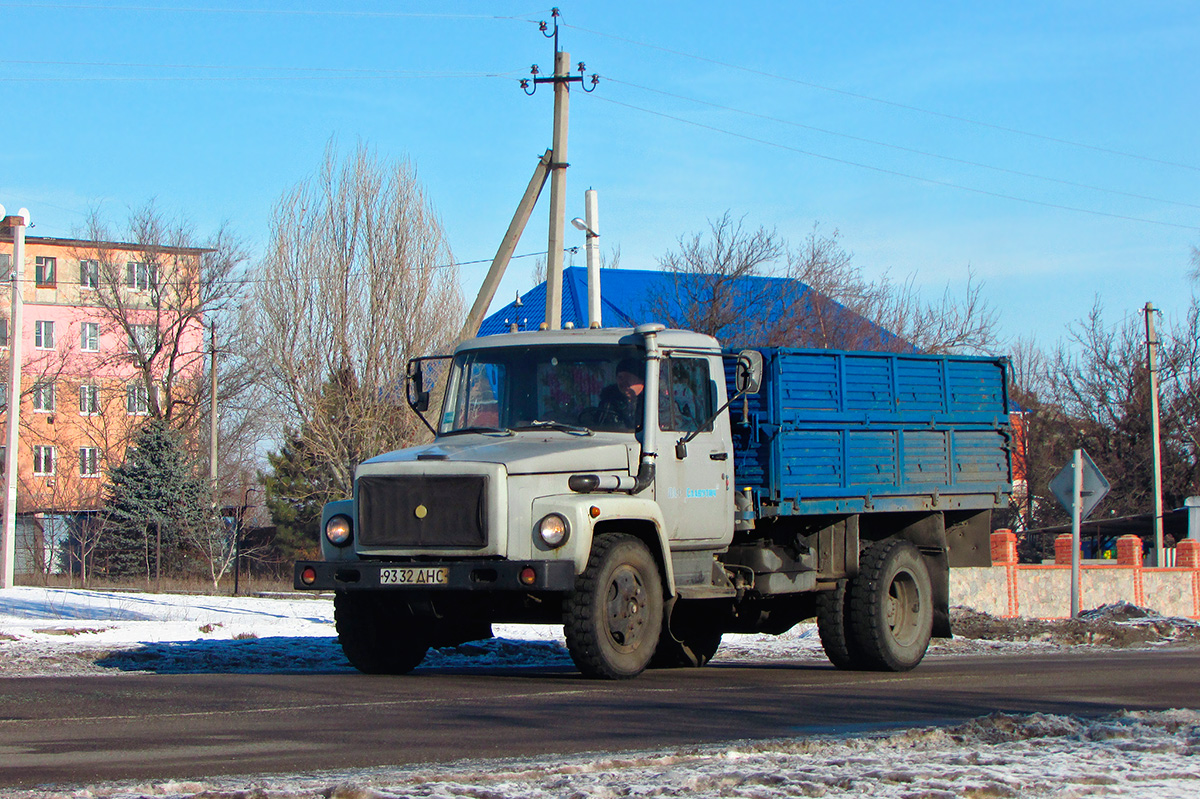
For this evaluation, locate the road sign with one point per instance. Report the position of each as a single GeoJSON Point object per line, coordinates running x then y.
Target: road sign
{"type": "Point", "coordinates": [1095, 487]}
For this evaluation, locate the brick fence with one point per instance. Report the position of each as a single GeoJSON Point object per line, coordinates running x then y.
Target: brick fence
{"type": "Point", "coordinates": [1043, 591]}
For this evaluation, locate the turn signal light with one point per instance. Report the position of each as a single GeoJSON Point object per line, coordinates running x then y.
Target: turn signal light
{"type": "Point", "coordinates": [528, 576]}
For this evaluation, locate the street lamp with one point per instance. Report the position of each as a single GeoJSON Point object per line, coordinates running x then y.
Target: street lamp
{"type": "Point", "coordinates": [591, 211]}
{"type": "Point", "coordinates": [237, 537]}
{"type": "Point", "coordinates": [8, 539]}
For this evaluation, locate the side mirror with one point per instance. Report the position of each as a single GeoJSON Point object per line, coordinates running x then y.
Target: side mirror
{"type": "Point", "coordinates": [749, 372]}
{"type": "Point", "coordinates": [417, 396]}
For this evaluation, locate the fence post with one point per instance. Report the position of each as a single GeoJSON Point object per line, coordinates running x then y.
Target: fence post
{"type": "Point", "coordinates": [1063, 544]}
{"type": "Point", "coordinates": [1004, 547]}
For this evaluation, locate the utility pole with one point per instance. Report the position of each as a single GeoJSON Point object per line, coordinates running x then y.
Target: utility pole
{"type": "Point", "coordinates": [1152, 365]}
{"type": "Point", "coordinates": [212, 414]}
{"type": "Point", "coordinates": [558, 193]}
{"type": "Point", "coordinates": [8, 548]}
{"type": "Point", "coordinates": [507, 246]}
{"type": "Point", "coordinates": [558, 166]}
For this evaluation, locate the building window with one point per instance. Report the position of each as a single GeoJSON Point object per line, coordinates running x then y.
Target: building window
{"type": "Point", "coordinates": [89, 400]}
{"type": "Point", "coordinates": [43, 335]}
{"type": "Point", "coordinates": [4, 394]}
{"type": "Point", "coordinates": [43, 270]}
{"type": "Point", "coordinates": [5, 265]}
{"type": "Point", "coordinates": [89, 461]}
{"type": "Point", "coordinates": [89, 337]}
{"type": "Point", "coordinates": [137, 400]}
{"type": "Point", "coordinates": [89, 274]}
{"type": "Point", "coordinates": [43, 397]}
{"type": "Point", "coordinates": [3, 459]}
{"type": "Point", "coordinates": [43, 460]}
{"type": "Point", "coordinates": [3, 332]}
{"type": "Point", "coordinates": [143, 338]}
{"type": "Point", "coordinates": [139, 276]}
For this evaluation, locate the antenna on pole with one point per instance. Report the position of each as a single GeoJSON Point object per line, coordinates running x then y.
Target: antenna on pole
{"type": "Point", "coordinates": [561, 79]}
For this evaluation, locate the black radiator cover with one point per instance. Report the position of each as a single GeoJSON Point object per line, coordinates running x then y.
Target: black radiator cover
{"type": "Point", "coordinates": [437, 511]}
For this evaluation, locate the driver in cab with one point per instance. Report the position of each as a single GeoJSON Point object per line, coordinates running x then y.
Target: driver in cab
{"type": "Point", "coordinates": [623, 402]}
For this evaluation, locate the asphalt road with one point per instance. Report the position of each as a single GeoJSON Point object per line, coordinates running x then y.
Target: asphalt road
{"type": "Point", "coordinates": [87, 729]}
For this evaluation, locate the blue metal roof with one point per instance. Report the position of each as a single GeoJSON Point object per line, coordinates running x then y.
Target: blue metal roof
{"type": "Point", "coordinates": [626, 301]}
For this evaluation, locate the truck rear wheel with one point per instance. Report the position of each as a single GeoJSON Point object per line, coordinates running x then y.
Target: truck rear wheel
{"type": "Point", "coordinates": [613, 618]}
{"type": "Point", "coordinates": [377, 633]}
{"type": "Point", "coordinates": [891, 606]}
{"type": "Point", "coordinates": [836, 629]}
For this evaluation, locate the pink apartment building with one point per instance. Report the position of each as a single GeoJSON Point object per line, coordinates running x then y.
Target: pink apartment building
{"type": "Point", "coordinates": [94, 315]}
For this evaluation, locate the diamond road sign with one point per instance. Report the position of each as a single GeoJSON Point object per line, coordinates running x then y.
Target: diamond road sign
{"type": "Point", "coordinates": [1095, 486]}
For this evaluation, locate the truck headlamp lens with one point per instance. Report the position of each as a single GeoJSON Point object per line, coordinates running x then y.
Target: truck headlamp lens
{"type": "Point", "coordinates": [337, 531]}
{"type": "Point", "coordinates": [554, 530]}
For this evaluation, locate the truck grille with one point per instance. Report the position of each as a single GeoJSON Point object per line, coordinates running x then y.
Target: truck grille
{"type": "Point", "coordinates": [423, 511]}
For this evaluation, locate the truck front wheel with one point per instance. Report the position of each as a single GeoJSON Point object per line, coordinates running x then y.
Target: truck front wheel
{"type": "Point", "coordinates": [377, 633]}
{"type": "Point", "coordinates": [891, 606]}
{"type": "Point", "coordinates": [613, 618]}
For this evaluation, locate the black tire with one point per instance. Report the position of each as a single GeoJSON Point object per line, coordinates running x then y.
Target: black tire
{"type": "Point", "coordinates": [836, 630]}
{"type": "Point", "coordinates": [695, 648]}
{"type": "Point", "coordinates": [613, 618]}
{"type": "Point", "coordinates": [377, 633]}
{"type": "Point", "coordinates": [891, 606]}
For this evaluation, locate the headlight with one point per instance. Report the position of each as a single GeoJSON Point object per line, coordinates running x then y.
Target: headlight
{"type": "Point", "coordinates": [337, 531]}
{"type": "Point", "coordinates": [554, 530]}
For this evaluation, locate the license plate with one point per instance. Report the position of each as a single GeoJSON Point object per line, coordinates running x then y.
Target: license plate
{"type": "Point", "coordinates": [423, 576]}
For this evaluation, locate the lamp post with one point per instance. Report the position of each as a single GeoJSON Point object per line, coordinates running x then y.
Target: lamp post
{"type": "Point", "coordinates": [592, 212]}
{"type": "Point", "coordinates": [237, 538]}
{"type": "Point", "coordinates": [8, 548]}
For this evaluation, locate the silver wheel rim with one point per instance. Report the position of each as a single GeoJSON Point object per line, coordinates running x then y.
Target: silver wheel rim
{"type": "Point", "coordinates": [625, 606]}
{"type": "Point", "coordinates": [902, 609]}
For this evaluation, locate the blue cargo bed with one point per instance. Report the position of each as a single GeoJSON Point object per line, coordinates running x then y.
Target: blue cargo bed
{"type": "Point", "coordinates": [850, 432]}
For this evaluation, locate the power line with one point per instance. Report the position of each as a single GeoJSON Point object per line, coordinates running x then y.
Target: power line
{"type": "Point", "coordinates": [234, 78]}
{"type": "Point", "coordinates": [269, 11]}
{"type": "Point", "coordinates": [881, 101]}
{"type": "Point", "coordinates": [249, 68]}
{"type": "Point", "coordinates": [902, 148]}
{"type": "Point", "coordinates": [161, 284]}
{"type": "Point", "coordinates": [896, 173]}
{"type": "Point", "coordinates": [298, 73]}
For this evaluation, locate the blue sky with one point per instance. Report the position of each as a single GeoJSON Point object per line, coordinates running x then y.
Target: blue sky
{"type": "Point", "coordinates": [215, 108]}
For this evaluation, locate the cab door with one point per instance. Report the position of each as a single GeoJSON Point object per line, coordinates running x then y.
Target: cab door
{"type": "Point", "coordinates": [694, 490]}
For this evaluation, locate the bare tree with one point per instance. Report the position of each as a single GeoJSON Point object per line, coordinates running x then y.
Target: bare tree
{"type": "Point", "coordinates": [812, 296]}
{"type": "Point", "coordinates": [361, 278]}
{"type": "Point", "coordinates": [159, 302]}
{"type": "Point", "coordinates": [705, 289]}
{"type": "Point", "coordinates": [1099, 380]}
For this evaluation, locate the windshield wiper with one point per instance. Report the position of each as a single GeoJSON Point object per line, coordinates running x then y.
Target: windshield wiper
{"type": "Point", "coordinates": [538, 424]}
{"type": "Point", "coordinates": [503, 431]}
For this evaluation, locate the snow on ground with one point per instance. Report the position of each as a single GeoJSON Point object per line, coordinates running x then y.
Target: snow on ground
{"type": "Point", "coordinates": [1149, 755]}
{"type": "Point", "coordinates": [72, 632]}
{"type": "Point", "coordinates": [59, 631]}
{"type": "Point", "coordinates": [46, 631]}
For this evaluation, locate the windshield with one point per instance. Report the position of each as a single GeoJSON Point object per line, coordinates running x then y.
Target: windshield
{"type": "Point", "coordinates": [576, 386]}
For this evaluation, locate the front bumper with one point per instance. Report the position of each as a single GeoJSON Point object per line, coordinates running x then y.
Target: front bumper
{"type": "Point", "coordinates": [461, 575]}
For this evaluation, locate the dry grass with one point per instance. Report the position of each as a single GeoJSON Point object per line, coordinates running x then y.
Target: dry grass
{"type": "Point", "coordinates": [169, 585]}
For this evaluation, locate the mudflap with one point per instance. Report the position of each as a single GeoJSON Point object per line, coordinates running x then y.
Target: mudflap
{"type": "Point", "coordinates": [939, 578]}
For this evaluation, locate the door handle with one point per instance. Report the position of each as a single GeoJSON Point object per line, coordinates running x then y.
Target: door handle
{"type": "Point", "coordinates": [718, 456]}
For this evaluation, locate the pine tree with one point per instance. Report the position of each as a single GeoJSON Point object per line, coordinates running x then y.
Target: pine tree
{"type": "Point", "coordinates": [155, 502]}
{"type": "Point", "coordinates": [296, 489]}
